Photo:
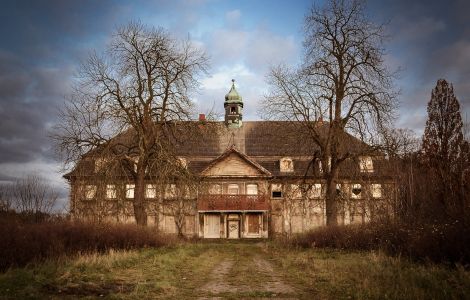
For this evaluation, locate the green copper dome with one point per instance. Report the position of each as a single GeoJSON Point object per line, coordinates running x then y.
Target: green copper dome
{"type": "Point", "coordinates": [233, 96]}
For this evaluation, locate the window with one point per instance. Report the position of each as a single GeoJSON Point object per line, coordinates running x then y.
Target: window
{"type": "Point", "coordinates": [233, 110]}
{"type": "Point", "coordinates": [276, 190]}
{"type": "Point", "coordinates": [365, 164]}
{"type": "Point", "coordinates": [183, 162]}
{"type": "Point", "coordinates": [130, 191]}
{"type": "Point", "coordinates": [315, 190]}
{"type": "Point", "coordinates": [170, 191]}
{"type": "Point", "coordinates": [252, 189]}
{"type": "Point", "coordinates": [215, 189]}
{"type": "Point", "coordinates": [338, 189]}
{"type": "Point", "coordinates": [90, 191]}
{"type": "Point", "coordinates": [232, 189]}
{"type": "Point", "coordinates": [376, 190]}
{"type": "Point", "coordinates": [111, 191]}
{"type": "Point", "coordinates": [150, 191]}
{"type": "Point", "coordinates": [356, 191]}
{"type": "Point", "coordinates": [99, 164]}
{"type": "Point", "coordinates": [286, 165]}
{"type": "Point", "coordinates": [320, 166]}
{"type": "Point", "coordinates": [295, 190]}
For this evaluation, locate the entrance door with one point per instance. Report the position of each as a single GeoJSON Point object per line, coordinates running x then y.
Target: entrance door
{"type": "Point", "coordinates": [212, 226]}
{"type": "Point", "coordinates": [233, 229]}
{"type": "Point", "coordinates": [253, 223]}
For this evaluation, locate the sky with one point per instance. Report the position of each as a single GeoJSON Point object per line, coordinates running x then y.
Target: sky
{"type": "Point", "coordinates": [43, 42]}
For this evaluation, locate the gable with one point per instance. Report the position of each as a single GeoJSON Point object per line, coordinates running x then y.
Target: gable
{"type": "Point", "coordinates": [233, 165]}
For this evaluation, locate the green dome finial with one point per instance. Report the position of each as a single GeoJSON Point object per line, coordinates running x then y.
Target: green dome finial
{"type": "Point", "coordinates": [233, 95]}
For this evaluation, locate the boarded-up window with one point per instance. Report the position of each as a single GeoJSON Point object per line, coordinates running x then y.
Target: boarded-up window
{"type": "Point", "coordinates": [111, 192]}
{"type": "Point", "coordinates": [130, 191]}
{"type": "Point", "coordinates": [90, 191]}
{"type": "Point", "coordinates": [365, 164]}
{"type": "Point", "coordinates": [252, 189]}
{"type": "Point", "coordinates": [232, 189]}
{"type": "Point", "coordinates": [150, 191]}
{"type": "Point", "coordinates": [376, 190]}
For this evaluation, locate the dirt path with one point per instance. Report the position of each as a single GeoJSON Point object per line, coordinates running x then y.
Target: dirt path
{"type": "Point", "coordinates": [246, 272]}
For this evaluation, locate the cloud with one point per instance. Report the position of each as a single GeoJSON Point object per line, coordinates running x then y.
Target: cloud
{"type": "Point", "coordinates": [233, 16]}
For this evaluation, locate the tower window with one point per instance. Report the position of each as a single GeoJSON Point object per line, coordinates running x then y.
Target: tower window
{"type": "Point", "coordinates": [233, 110]}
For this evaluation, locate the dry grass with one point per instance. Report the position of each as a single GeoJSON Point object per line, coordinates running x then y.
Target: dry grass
{"type": "Point", "coordinates": [441, 243]}
{"type": "Point", "coordinates": [24, 243]}
{"type": "Point", "coordinates": [179, 272]}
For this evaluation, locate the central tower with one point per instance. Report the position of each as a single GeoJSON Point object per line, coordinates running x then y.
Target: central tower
{"type": "Point", "coordinates": [233, 108]}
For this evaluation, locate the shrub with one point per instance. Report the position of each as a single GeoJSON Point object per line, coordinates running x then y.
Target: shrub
{"type": "Point", "coordinates": [446, 242]}
{"type": "Point", "coordinates": [24, 242]}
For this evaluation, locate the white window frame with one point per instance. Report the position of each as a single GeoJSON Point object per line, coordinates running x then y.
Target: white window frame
{"type": "Point", "coordinates": [111, 191]}
{"type": "Point", "coordinates": [215, 189]}
{"type": "Point", "coordinates": [366, 164]}
{"type": "Point", "coordinates": [286, 165]}
{"type": "Point", "coordinates": [233, 185]}
{"type": "Point", "coordinates": [252, 189]}
{"type": "Point", "coordinates": [356, 186]}
{"type": "Point", "coordinates": [376, 190]}
{"type": "Point", "coordinates": [90, 191]}
{"type": "Point", "coordinates": [295, 191]}
{"type": "Point", "coordinates": [316, 191]}
{"type": "Point", "coordinates": [276, 187]}
{"type": "Point", "coordinates": [150, 191]}
{"type": "Point", "coordinates": [171, 191]}
{"type": "Point", "coordinates": [130, 190]}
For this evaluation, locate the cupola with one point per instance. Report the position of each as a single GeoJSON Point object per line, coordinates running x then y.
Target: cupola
{"type": "Point", "coordinates": [233, 108]}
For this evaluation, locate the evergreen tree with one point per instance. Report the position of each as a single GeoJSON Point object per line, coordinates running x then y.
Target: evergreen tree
{"type": "Point", "coordinates": [444, 149]}
{"type": "Point", "coordinates": [443, 137]}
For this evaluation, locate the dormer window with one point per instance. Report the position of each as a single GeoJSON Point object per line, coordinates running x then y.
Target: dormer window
{"type": "Point", "coordinates": [100, 162]}
{"type": "Point", "coordinates": [286, 165]}
{"type": "Point", "coordinates": [365, 164]}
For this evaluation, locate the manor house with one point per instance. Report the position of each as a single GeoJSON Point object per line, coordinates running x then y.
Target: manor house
{"type": "Point", "coordinates": [256, 179]}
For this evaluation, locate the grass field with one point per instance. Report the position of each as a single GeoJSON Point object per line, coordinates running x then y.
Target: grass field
{"type": "Point", "coordinates": [234, 270]}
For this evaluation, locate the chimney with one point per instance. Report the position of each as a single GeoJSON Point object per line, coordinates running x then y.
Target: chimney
{"type": "Point", "coordinates": [202, 117]}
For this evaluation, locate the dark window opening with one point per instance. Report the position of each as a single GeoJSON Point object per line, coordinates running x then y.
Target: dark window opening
{"type": "Point", "coordinates": [277, 194]}
{"type": "Point", "coordinates": [233, 110]}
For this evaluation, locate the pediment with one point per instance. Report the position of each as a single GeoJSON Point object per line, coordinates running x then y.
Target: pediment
{"type": "Point", "coordinates": [234, 164]}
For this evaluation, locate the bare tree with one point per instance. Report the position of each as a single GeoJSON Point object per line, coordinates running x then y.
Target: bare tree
{"type": "Point", "coordinates": [343, 80]}
{"type": "Point", "coordinates": [34, 195]}
{"type": "Point", "coordinates": [6, 197]}
{"type": "Point", "coordinates": [127, 102]}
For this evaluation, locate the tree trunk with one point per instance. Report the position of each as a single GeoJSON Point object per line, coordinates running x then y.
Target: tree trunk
{"type": "Point", "coordinates": [330, 199]}
{"type": "Point", "coordinates": [139, 198]}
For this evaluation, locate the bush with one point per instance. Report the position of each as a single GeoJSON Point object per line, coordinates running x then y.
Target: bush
{"type": "Point", "coordinates": [446, 242]}
{"type": "Point", "coordinates": [24, 242]}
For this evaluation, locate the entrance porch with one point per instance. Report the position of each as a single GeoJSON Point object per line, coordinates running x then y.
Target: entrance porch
{"type": "Point", "coordinates": [233, 225]}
